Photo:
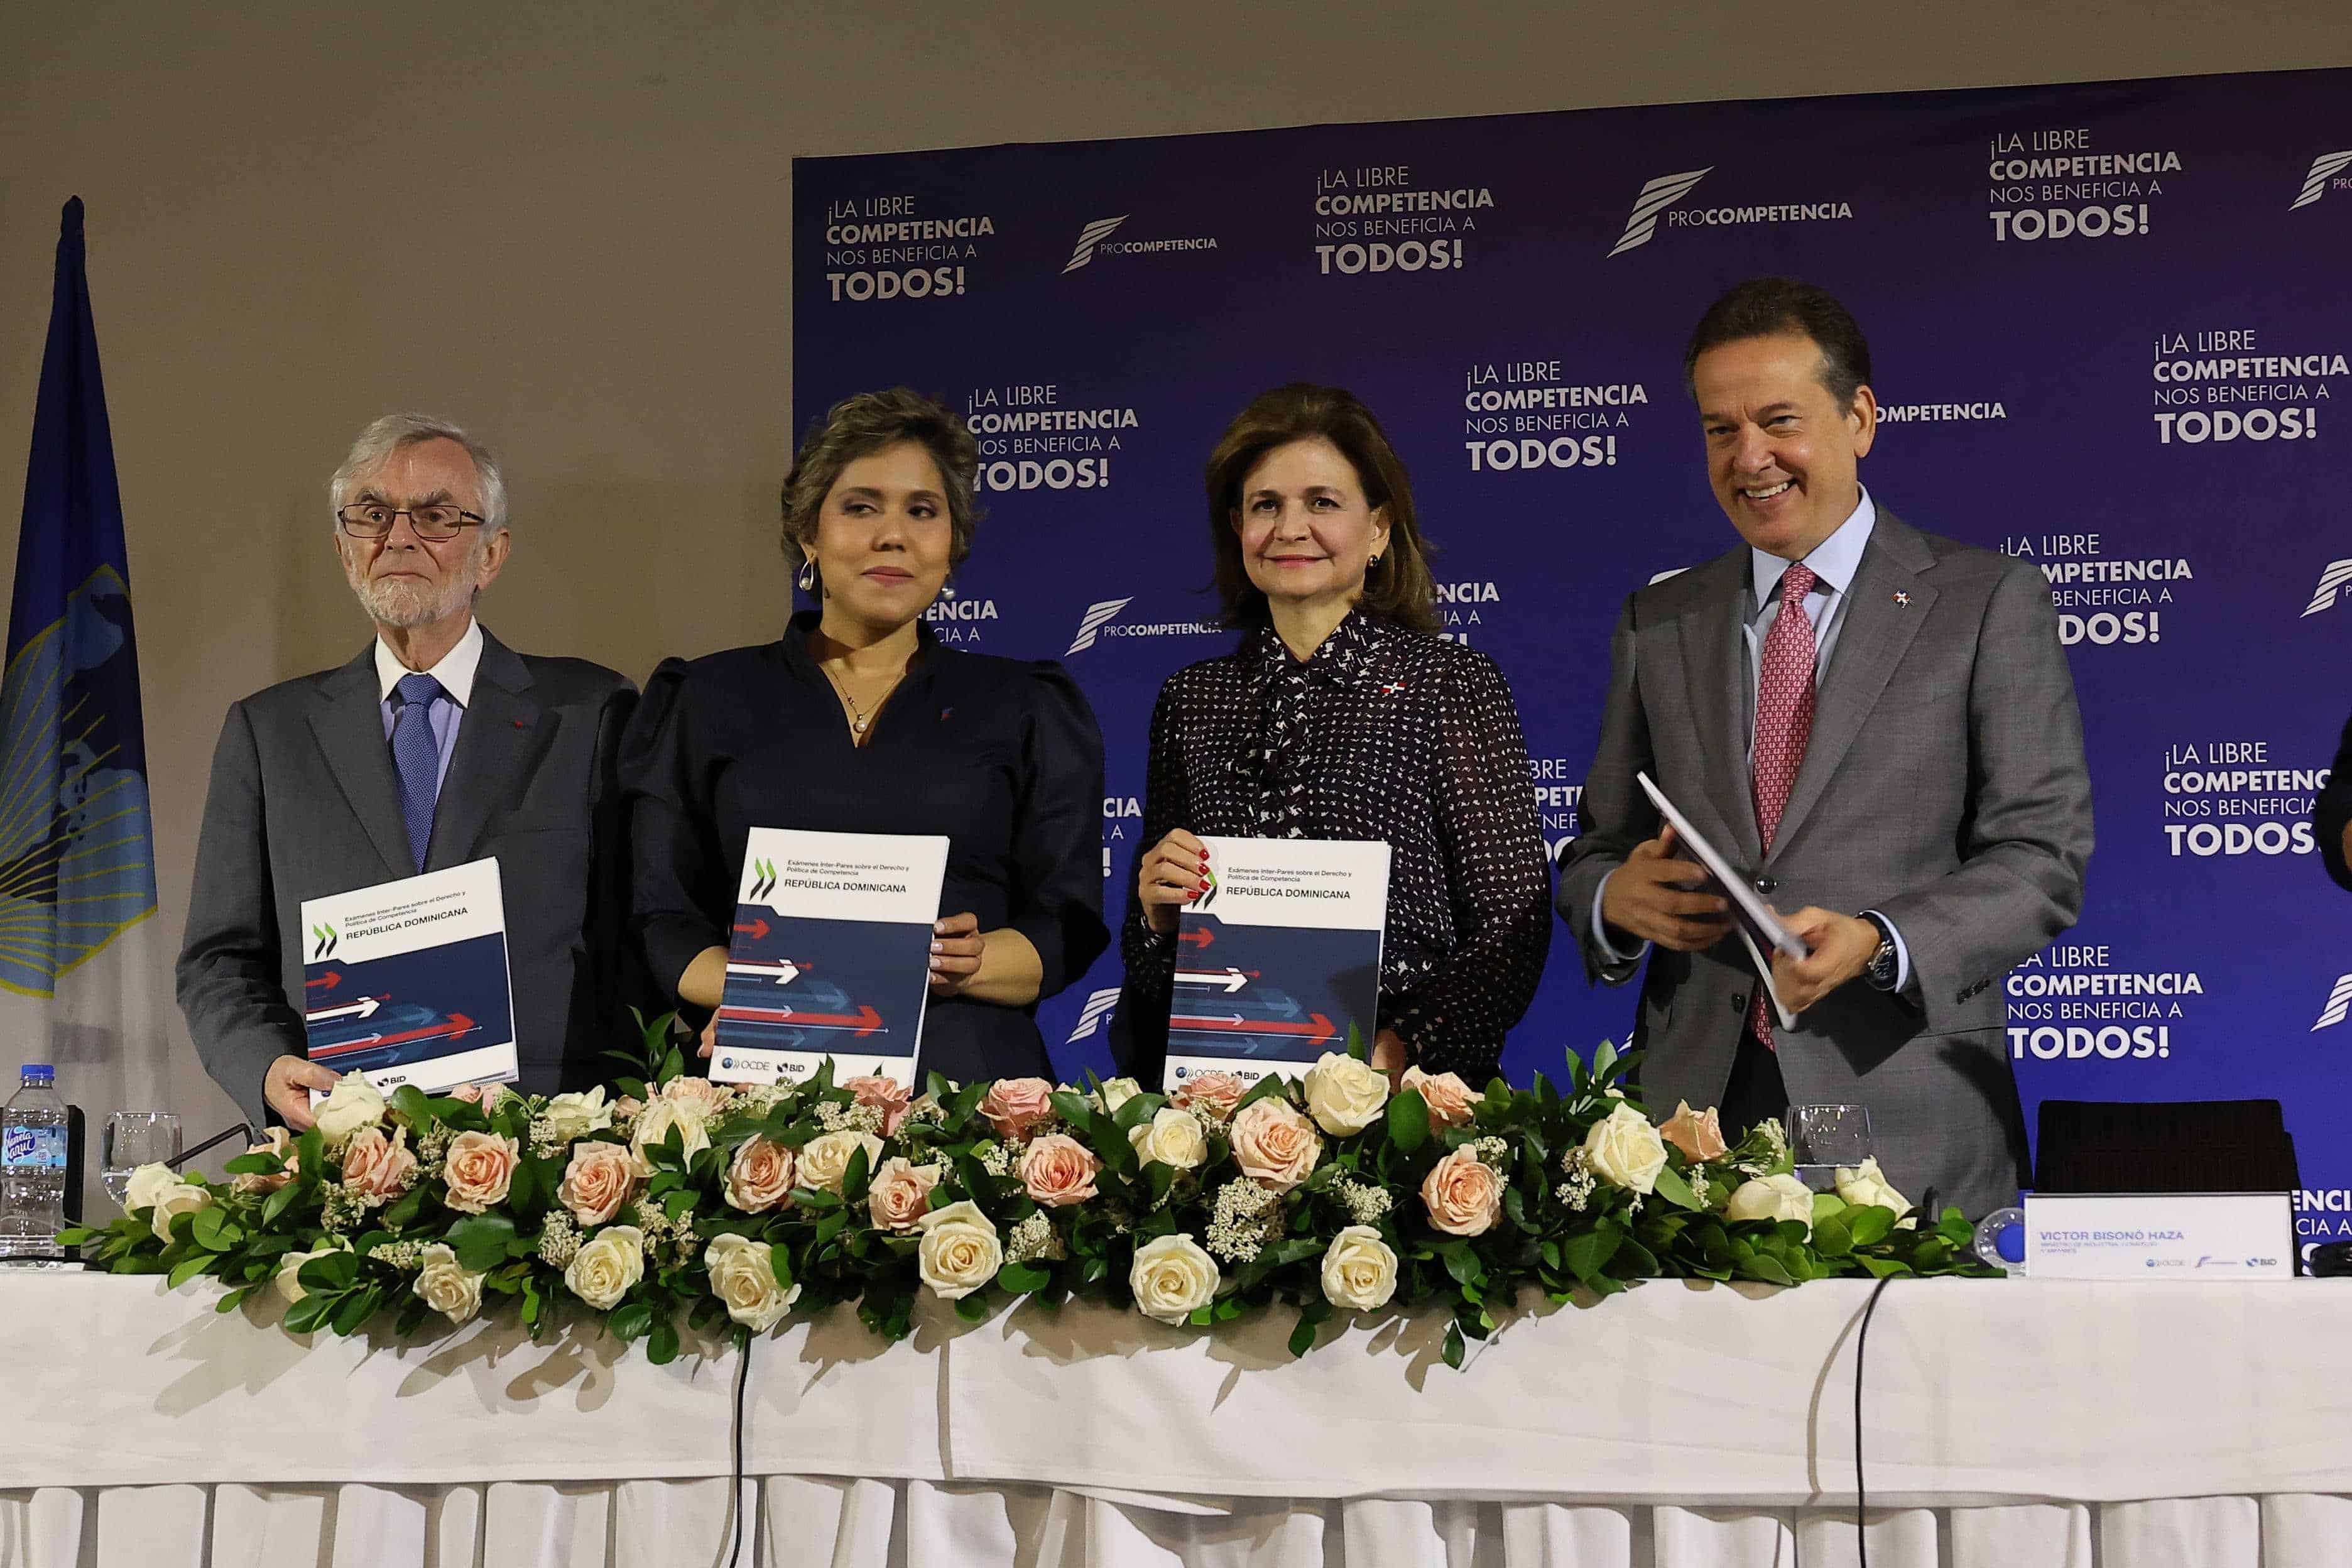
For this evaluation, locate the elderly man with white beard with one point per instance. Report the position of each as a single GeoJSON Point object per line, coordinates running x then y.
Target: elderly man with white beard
{"type": "Point", "coordinates": [436, 746]}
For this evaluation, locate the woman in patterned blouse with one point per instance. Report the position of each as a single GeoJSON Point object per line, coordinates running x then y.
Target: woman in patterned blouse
{"type": "Point", "coordinates": [1343, 715]}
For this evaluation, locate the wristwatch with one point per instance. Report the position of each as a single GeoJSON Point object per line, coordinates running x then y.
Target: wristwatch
{"type": "Point", "coordinates": [1881, 969]}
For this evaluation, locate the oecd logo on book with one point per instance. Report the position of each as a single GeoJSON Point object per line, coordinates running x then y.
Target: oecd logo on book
{"type": "Point", "coordinates": [2326, 168]}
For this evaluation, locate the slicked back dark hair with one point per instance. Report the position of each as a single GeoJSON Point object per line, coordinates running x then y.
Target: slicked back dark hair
{"type": "Point", "coordinates": [1767, 307]}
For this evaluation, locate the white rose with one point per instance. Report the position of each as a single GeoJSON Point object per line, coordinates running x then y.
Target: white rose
{"type": "Point", "coordinates": [178, 1198]}
{"type": "Point", "coordinates": [1345, 1095]}
{"type": "Point", "coordinates": [1116, 1092]}
{"type": "Point", "coordinates": [1171, 1137]}
{"type": "Point", "coordinates": [959, 1251]}
{"type": "Point", "coordinates": [448, 1289]}
{"type": "Point", "coordinates": [692, 1122]}
{"type": "Point", "coordinates": [1774, 1198]}
{"type": "Point", "coordinates": [147, 1183]}
{"type": "Point", "coordinates": [1863, 1185]}
{"type": "Point", "coordinates": [571, 1117]}
{"type": "Point", "coordinates": [290, 1264]}
{"type": "Point", "coordinates": [1172, 1278]}
{"type": "Point", "coordinates": [605, 1269]}
{"type": "Point", "coordinates": [1625, 1151]}
{"type": "Point", "coordinates": [351, 1104]}
{"type": "Point", "coordinates": [1359, 1269]}
{"type": "Point", "coordinates": [743, 1275]}
{"type": "Point", "coordinates": [825, 1158]}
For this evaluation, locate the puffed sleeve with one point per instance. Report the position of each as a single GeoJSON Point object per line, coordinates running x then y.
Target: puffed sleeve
{"type": "Point", "coordinates": [680, 894]}
{"type": "Point", "coordinates": [1056, 883]}
{"type": "Point", "coordinates": [1497, 877]}
{"type": "Point", "coordinates": [1140, 1038]}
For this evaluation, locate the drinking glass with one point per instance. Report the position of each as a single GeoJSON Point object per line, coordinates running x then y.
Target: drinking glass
{"type": "Point", "coordinates": [136, 1138]}
{"type": "Point", "coordinates": [1821, 1138]}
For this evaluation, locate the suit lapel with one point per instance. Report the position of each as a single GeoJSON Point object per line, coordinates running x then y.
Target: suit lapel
{"type": "Point", "coordinates": [1716, 672]}
{"type": "Point", "coordinates": [495, 740]}
{"type": "Point", "coordinates": [1872, 639]}
{"type": "Point", "coordinates": [349, 723]}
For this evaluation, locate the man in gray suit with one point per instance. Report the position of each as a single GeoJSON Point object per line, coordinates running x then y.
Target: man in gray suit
{"type": "Point", "coordinates": [437, 745]}
{"type": "Point", "coordinates": [1901, 763]}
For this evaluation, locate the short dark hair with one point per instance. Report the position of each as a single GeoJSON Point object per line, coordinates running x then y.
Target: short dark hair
{"type": "Point", "coordinates": [1399, 589]}
{"type": "Point", "coordinates": [860, 426]}
{"type": "Point", "coordinates": [1766, 307]}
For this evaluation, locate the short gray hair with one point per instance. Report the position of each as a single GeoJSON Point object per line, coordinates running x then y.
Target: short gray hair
{"type": "Point", "coordinates": [388, 435]}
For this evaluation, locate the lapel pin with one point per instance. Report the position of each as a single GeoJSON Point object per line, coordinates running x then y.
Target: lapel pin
{"type": "Point", "coordinates": [1391, 687]}
{"type": "Point", "coordinates": [520, 725]}
{"type": "Point", "coordinates": [1904, 600]}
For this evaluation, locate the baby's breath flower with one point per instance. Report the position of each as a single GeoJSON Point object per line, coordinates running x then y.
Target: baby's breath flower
{"type": "Point", "coordinates": [1365, 1203]}
{"type": "Point", "coordinates": [399, 1254]}
{"type": "Point", "coordinates": [559, 1239]}
{"type": "Point", "coordinates": [1034, 1238]}
{"type": "Point", "coordinates": [1491, 1151]}
{"type": "Point", "coordinates": [1697, 1178]}
{"type": "Point", "coordinates": [341, 1209]}
{"type": "Point", "coordinates": [998, 1158]}
{"type": "Point", "coordinates": [432, 1148]}
{"type": "Point", "coordinates": [1245, 1218]}
{"type": "Point", "coordinates": [1576, 1191]}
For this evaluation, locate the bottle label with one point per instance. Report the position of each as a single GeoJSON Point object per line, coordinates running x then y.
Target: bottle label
{"type": "Point", "coordinates": [39, 1148]}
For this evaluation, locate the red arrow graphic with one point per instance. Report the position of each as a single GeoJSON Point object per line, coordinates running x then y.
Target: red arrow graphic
{"type": "Point", "coordinates": [866, 1020]}
{"type": "Point", "coordinates": [329, 981]}
{"type": "Point", "coordinates": [458, 1023]}
{"type": "Point", "coordinates": [1204, 937]}
{"type": "Point", "coordinates": [1317, 1027]}
{"type": "Point", "coordinates": [757, 931]}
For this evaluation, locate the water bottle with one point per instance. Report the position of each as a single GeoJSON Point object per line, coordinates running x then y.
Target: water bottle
{"type": "Point", "coordinates": [33, 1172]}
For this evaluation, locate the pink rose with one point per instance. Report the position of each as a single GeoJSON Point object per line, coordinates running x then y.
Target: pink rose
{"type": "Point", "coordinates": [1696, 1133]}
{"type": "Point", "coordinates": [1016, 1105]}
{"type": "Point", "coordinates": [480, 1167]}
{"type": "Point", "coordinates": [598, 1182]}
{"type": "Point", "coordinates": [1213, 1094]}
{"type": "Point", "coordinates": [887, 1095]}
{"type": "Point", "coordinates": [628, 1106]}
{"type": "Point", "coordinates": [279, 1142]}
{"type": "Point", "coordinates": [761, 1177]}
{"type": "Point", "coordinates": [1275, 1144]}
{"type": "Point", "coordinates": [1463, 1195]}
{"type": "Point", "coordinates": [699, 1092]}
{"type": "Point", "coordinates": [1452, 1102]}
{"type": "Point", "coordinates": [486, 1095]}
{"type": "Point", "coordinates": [1058, 1170]}
{"type": "Point", "coordinates": [900, 1193]}
{"type": "Point", "coordinates": [378, 1166]}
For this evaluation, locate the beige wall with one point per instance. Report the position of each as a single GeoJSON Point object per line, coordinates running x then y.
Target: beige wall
{"type": "Point", "coordinates": [566, 227]}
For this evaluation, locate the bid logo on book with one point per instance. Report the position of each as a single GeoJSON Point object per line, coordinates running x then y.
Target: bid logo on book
{"type": "Point", "coordinates": [2326, 173]}
{"type": "Point", "coordinates": [1094, 239]}
{"type": "Point", "coordinates": [1659, 202]}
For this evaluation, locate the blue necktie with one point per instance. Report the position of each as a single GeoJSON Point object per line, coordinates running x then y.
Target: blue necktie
{"type": "Point", "coordinates": [416, 758]}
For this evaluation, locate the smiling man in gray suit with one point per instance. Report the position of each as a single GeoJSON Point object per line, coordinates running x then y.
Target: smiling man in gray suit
{"type": "Point", "coordinates": [1881, 724]}
{"type": "Point", "coordinates": [437, 745]}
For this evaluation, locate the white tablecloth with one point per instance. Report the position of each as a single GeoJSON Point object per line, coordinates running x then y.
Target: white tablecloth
{"type": "Point", "coordinates": [2006, 1424]}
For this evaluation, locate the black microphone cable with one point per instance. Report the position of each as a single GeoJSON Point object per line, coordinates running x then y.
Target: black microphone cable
{"type": "Point", "coordinates": [743, 1339]}
{"type": "Point", "coordinates": [1861, 1342]}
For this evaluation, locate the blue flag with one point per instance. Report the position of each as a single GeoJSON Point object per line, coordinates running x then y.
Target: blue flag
{"type": "Point", "coordinates": [77, 856]}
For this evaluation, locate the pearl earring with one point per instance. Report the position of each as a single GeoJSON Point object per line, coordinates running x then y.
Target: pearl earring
{"type": "Point", "coordinates": [807, 578]}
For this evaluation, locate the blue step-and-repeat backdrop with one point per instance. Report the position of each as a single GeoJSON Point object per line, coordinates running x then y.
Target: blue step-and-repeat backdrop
{"type": "Point", "coordinates": [2110, 323]}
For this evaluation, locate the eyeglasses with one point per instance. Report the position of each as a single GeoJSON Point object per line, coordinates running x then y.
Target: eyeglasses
{"type": "Point", "coordinates": [433, 524]}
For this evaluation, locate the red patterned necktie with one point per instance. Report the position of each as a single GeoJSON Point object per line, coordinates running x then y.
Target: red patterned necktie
{"type": "Point", "coordinates": [1784, 723]}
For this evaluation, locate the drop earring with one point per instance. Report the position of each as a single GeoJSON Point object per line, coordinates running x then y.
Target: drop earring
{"type": "Point", "coordinates": [807, 578]}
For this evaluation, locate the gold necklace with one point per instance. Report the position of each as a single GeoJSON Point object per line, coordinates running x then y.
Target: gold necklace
{"type": "Point", "coordinates": [859, 719]}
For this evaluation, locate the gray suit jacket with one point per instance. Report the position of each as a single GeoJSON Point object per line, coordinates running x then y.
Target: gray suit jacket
{"type": "Point", "coordinates": [304, 802]}
{"type": "Point", "coordinates": [1944, 786]}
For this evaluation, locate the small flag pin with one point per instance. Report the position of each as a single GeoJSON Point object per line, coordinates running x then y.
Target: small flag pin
{"type": "Point", "coordinates": [1904, 599]}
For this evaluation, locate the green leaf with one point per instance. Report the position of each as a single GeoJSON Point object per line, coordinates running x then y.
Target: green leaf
{"type": "Point", "coordinates": [973, 1309]}
{"type": "Point", "coordinates": [629, 1322]}
{"type": "Point", "coordinates": [254, 1165]}
{"type": "Point", "coordinates": [1023, 1279]}
{"type": "Point", "coordinates": [1587, 1255]}
{"type": "Point", "coordinates": [1763, 1266]}
{"type": "Point", "coordinates": [412, 1105]}
{"type": "Point", "coordinates": [480, 1241]}
{"type": "Point", "coordinates": [1677, 1190]}
{"type": "Point", "coordinates": [306, 1315]}
{"type": "Point", "coordinates": [1461, 1262]}
{"type": "Point", "coordinates": [1880, 1267]}
{"type": "Point", "coordinates": [780, 1264]}
{"type": "Point", "coordinates": [1271, 1084]}
{"type": "Point", "coordinates": [328, 1273]}
{"type": "Point", "coordinates": [215, 1231]}
{"type": "Point", "coordinates": [1408, 1119]}
{"type": "Point", "coordinates": [1827, 1206]}
{"type": "Point", "coordinates": [661, 1345]}
{"type": "Point", "coordinates": [854, 1179]}
{"type": "Point", "coordinates": [1137, 1109]}
{"type": "Point", "coordinates": [1832, 1238]}
{"type": "Point", "coordinates": [1454, 1348]}
{"type": "Point", "coordinates": [1604, 1060]}
{"type": "Point", "coordinates": [404, 1214]}
{"type": "Point", "coordinates": [279, 1203]}
{"type": "Point", "coordinates": [831, 1225]}
{"type": "Point", "coordinates": [78, 1235]}
{"type": "Point", "coordinates": [1072, 1107]}
{"type": "Point", "coordinates": [1302, 1335]}
{"type": "Point", "coordinates": [235, 1298]}
{"type": "Point", "coordinates": [1871, 1224]}
{"type": "Point", "coordinates": [354, 1311]}
{"type": "Point", "coordinates": [189, 1268]}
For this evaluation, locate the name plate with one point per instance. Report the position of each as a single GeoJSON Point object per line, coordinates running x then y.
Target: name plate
{"type": "Point", "coordinates": [2166, 1236]}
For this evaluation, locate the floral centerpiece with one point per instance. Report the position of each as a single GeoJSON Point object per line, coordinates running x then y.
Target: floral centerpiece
{"type": "Point", "coordinates": [676, 1200]}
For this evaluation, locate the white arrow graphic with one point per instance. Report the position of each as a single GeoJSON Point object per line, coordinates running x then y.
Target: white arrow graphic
{"type": "Point", "coordinates": [1191, 1020]}
{"type": "Point", "coordinates": [785, 972]}
{"type": "Point", "coordinates": [363, 1008]}
{"type": "Point", "coordinates": [1228, 980]}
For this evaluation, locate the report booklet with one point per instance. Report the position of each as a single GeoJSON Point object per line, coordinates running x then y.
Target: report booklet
{"type": "Point", "coordinates": [1279, 959]}
{"type": "Point", "coordinates": [406, 981]}
{"type": "Point", "coordinates": [831, 955]}
{"type": "Point", "coordinates": [1761, 930]}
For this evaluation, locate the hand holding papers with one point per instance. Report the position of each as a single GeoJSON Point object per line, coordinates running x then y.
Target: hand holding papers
{"type": "Point", "coordinates": [406, 981]}
{"type": "Point", "coordinates": [1279, 958]}
{"type": "Point", "coordinates": [1759, 926]}
{"type": "Point", "coordinates": [831, 955]}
